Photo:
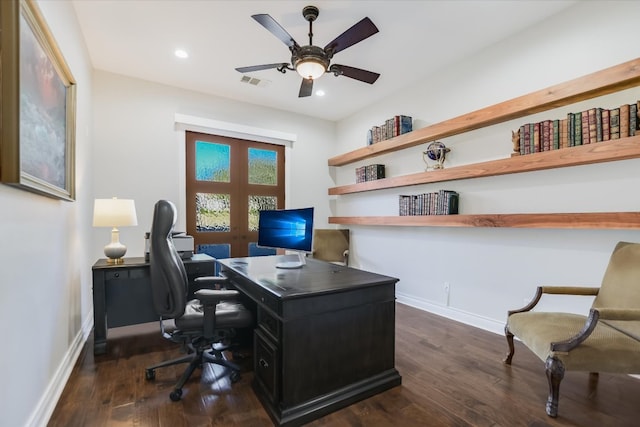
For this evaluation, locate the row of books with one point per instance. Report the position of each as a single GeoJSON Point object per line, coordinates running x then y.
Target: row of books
{"type": "Point", "coordinates": [397, 125]}
{"type": "Point", "coordinates": [442, 202]}
{"type": "Point", "coordinates": [369, 173]}
{"type": "Point", "coordinates": [585, 127]}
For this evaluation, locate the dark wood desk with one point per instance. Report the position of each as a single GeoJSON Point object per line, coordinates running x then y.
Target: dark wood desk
{"type": "Point", "coordinates": [122, 293]}
{"type": "Point", "coordinates": [325, 335]}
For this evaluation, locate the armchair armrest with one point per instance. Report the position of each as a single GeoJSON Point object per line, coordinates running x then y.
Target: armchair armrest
{"type": "Point", "coordinates": [618, 313]}
{"type": "Point", "coordinates": [556, 290]}
{"type": "Point", "coordinates": [595, 314]}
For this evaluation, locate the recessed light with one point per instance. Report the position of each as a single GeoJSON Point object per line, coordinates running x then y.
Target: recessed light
{"type": "Point", "coordinates": [181, 53]}
{"type": "Point", "coordinates": [319, 92]}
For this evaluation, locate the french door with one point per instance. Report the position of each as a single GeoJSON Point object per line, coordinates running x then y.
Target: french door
{"type": "Point", "coordinates": [228, 181]}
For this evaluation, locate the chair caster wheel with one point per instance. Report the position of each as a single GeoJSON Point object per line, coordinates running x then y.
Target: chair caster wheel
{"type": "Point", "coordinates": [235, 376]}
{"type": "Point", "coordinates": [150, 374]}
{"type": "Point", "coordinates": [176, 395]}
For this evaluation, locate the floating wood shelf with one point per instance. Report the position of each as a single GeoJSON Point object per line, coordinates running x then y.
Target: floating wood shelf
{"type": "Point", "coordinates": [600, 83]}
{"type": "Point", "coordinates": [598, 220]}
{"type": "Point", "coordinates": [619, 149]}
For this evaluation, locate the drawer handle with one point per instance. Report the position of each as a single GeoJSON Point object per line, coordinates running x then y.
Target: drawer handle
{"type": "Point", "coordinates": [116, 275]}
{"type": "Point", "coordinates": [263, 363]}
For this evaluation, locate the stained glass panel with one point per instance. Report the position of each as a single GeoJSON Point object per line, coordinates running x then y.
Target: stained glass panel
{"type": "Point", "coordinates": [263, 167]}
{"type": "Point", "coordinates": [212, 162]}
{"type": "Point", "coordinates": [259, 203]}
{"type": "Point", "coordinates": [213, 212]}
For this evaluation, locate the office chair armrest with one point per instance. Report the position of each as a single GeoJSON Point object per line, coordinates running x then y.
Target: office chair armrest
{"type": "Point", "coordinates": [211, 282]}
{"type": "Point", "coordinates": [210, 299]}
{"type": "Point", "coordinates": [214, 296]}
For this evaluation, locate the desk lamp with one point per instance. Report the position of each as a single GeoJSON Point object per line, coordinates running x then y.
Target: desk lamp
{"type": "Point", "coordinates": [114, 213]}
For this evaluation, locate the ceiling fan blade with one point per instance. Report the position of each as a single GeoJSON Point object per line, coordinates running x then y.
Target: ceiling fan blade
{"type": "Point", "coordinates": [276, 29]}
{"type": "Point", "coordinates": [358, 32]}
{"type": "Point", "coordinates": [261, 67]}
{"type": "Point", "coordinates": [306, 88]}
{"type": "Point", "coordinates": [354, 73]}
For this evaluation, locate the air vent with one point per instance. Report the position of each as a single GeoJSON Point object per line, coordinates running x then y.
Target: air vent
{"type": "Point", "coordinates": [254, 81]}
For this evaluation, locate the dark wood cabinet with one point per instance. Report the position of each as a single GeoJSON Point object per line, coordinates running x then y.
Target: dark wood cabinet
{"type": "Point", "coordinates": [122, 293]}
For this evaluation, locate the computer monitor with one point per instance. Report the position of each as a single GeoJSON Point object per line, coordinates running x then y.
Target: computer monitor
{"type": "Point", "coordinates": [290, 229]}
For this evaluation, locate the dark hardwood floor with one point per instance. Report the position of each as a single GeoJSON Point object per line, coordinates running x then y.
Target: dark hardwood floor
{"type": "Point", "coordinates": [452, 375]}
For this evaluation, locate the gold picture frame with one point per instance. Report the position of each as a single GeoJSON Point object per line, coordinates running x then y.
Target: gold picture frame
{"type": "Point", "coordinates": [38, 105]}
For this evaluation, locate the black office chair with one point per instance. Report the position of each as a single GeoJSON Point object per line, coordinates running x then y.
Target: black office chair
{"type": "Point", "coordinates": [203, 326]}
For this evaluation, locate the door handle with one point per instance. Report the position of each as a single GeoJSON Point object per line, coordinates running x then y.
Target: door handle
{"type": "Point", "coordinates": [263, 363]}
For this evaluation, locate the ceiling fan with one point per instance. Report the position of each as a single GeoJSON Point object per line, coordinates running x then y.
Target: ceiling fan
{"type": "Point", "coordinates": [311, 61]}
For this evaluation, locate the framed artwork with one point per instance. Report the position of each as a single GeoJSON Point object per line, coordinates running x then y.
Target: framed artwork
{"type": "Point", "coordinates": [38, 105]}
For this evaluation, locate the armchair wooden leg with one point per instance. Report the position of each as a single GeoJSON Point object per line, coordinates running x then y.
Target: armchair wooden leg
{"type": "Point", "coordinates": [509, 336]}
{"type": "Point", "coordinates": [554, 369]}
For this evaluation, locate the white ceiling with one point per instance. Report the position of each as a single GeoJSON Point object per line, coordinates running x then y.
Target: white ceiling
{"type": "Point", "coordinates": [138, 37]}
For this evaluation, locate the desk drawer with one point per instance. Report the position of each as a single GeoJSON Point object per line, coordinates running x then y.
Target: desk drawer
{"type": "Point", "coordinates": [118, 274]}
{"type": "Point", "coordinates": [126, 273]}
{"type": "Point", "coordinates": [266, 367]}
{"type": "Point", "coordinates": [269, 324]}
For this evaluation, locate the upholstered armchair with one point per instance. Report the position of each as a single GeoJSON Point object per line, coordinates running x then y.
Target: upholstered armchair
{"type": "Point", "coordinates": [331, 245]}
{"type": "Point", "coordinates": [606, 340]}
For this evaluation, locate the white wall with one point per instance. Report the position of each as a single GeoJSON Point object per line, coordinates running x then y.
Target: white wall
{"type": "Point", "coordinates": [492, 270]}
{"type": "Point", "coordinates": [140, 155]}
{"type": "Point", "coordinates": [45, 291]}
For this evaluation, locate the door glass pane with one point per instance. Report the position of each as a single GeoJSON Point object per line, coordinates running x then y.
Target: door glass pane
{"type": "Point", "coordinates": [213, 212]}
{"type": "Point", "coordinates": [212, 162]}
{"type": "Point", "coordinates": [259, 203]}
{"type": "Point", "coordinates": [263, 167]}
{"type": "Point", "coordinates": [255, 250]}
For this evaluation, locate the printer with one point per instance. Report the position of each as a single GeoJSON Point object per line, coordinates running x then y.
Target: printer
{"type": "Point", "coordinates": [181, 241]}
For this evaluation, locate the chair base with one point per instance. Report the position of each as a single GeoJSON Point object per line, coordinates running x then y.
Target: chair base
{"type": "Point", "coordinates": [196, 357]}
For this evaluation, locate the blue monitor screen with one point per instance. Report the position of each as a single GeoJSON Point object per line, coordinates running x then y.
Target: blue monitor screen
{"type": "Point", "coordinates": [286, 229]}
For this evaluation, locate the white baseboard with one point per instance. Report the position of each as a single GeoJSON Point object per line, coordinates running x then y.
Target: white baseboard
{"type": "Point", "coordinates": [465, 317]}
{"type": "Point", "coordinates": [47, 403]}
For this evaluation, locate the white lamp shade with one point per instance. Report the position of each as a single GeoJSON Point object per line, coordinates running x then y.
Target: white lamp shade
{"type": "Point", "coordinates": [114, 213]}
{"type": "Point", "coordinates": [310, 69]}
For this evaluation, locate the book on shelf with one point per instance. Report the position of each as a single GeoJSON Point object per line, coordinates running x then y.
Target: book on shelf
{"type": "Point", "coordinates": [633, 119]}
{"type": "Point", "coordinates": [545, 139]}
{"type": "Point", "coordinates": [577, 130]}
{"type": "Point", "coordinates": [584, 120]}
{"type": "Point", "coordinates": [591, 125]}
{"type": "Point", "coordinates": [555, 140]}
{"type": "Point", "coordinates": [563, 133]}
{"type": "Point", "coordinates": [614, 120]}
{"type": "Point", "coordinates": [405, 124]}
{"type": "Point", "coordinates": [598, 116]}
{"type": "Point", "coordinates": [606, 125]}
{"type": "Point", "coordinates": [624, 120]}
{"type": "Point", "coordinates": [527, 139]}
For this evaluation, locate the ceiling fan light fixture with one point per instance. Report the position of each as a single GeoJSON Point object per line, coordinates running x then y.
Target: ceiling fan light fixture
{"type": "Point", "coordinates": [310, 68]}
